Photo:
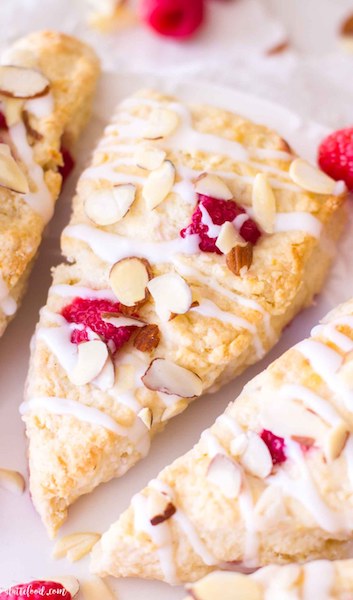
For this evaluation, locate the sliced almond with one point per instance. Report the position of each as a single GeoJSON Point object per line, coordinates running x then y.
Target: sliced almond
{"type": "Point", "coordinates": [264, 203]}
{"type": "Point", "coordinates": [27, 123]}
{"type": "Point", "coordinates": [19, 82]}
{"type": "Point", "coordinates": [121, 321]}
{"type": "Point", "coordinates": [161, 123]}
{"type": "Point", "coordinates": [239, 259]}
{"type": "Point", "coordinates": [166, 376]}
{"type": "Point", "coordinates": [173, 410]}
{"type": "Point", "coordinates": [146, 416]}
{"type": "Point", "coordinates": [129, 278]}
{"type": "Point", "coordinates": [335, 441]}
{"type": "Point", "coordinates": [108, 206]}
{"type": "Point", "coordinates": [148, 338]}
{"type": "Point", "coordinates": [70, 584]}
{"type": "Point", "coordinates": [11, 176]}
{"type": "Point", "coordinates": [159, 184]}
{"type": "Point", "coordinates": [228, 238]}
{"type": "Point", "coordinates": [289, 418]}
{"type": "Point", "coordinates": [12, 108]}
{"type": "Point", "coordinates": [171, 294]}
{"type": "Point", "coordinates": [12, 481]}
{"type": "Point", "coordinates": [256, 459]}
{"type": "Point", "coordinates": [96, 589]}
{"type": "Point", "coordinates": [225, 474]}
{"type": "Point", "coordinates": [106, 378]}
{"type": "Point", "coordinates": [223, 585]}
{"type": "Point", "coordinates": [310, 178]}
{"type": "Point", "coordinates": [346, 33]}
{"type": "Point", "coordinates": [213, 186]}
{"type": "Point", "coordinates": [149, 157]}
{"type": "Point", "coordinates": [91, 359]}
{"type": "Point", "coordinates": [159, 507]}
{"type": "Point", "coordinates": [75, 545]}
{"type": "Point", "coordinates": [303, 440]}
{"type": "Point", "coordinates": [238, 445]}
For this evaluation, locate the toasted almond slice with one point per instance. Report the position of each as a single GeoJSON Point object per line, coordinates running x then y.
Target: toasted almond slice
{"type": "Point", "coordinates": [161, 122]}
{"type": "Point", "coordinates": [11, 175]}
{"type": "Point", "coordinates": [159, 507]}
{"type": "Point", "coordinates": [228, 238]}
{"type": "Point", "coordinates": [239, 259]}
{"type": "Point", "coordinates": [149, 157]}
{"type": "Point", "coordinates": [225, 474]}
{"type": "Point", "coordinates": [166, 376]}
{"type": "Point", "coordinates": [96, 589]}
{"type": "Point", "coordinates": [213, 186]}
{"type": "Point", "coordinates": [69, 582]}
{"type": "Point", "coordinates": [92, 357]}
{"type": "Point", "coordinates": [146, 416]}
{"type": "Point", "coordinates": [171, 294]}
{"type": "Point", "coordinates": [256, 458]}
{"type": "Point", "coordinates": [264, 202]}
{"type": "Point", "coordinates": [12, 108]}
{"type": "Point", "coordinates": [121, 321]}
{"type": "Point", "coordinates": [159, 184]}
{"type": "Point", "coordinates": [335, 441]}
{"type": "Point", "coordinates": [69, 542]}
{"type": "Point", "coordinates": [148, 338]}
{"type": "Point", "coordinates": [12, 481]}
{"type": "Point", "coordinates": [108, 206]}
{"type": "Point", "coordinates": [129, 278]}
{"type": "Point", "coordinates": [173, 410]}
{"type": "Point", "coordinates": [223, 585]}
{"type": "Point", "coordinates": [310, 178]}
{"type": "Point", "coordinates": [20, 82]}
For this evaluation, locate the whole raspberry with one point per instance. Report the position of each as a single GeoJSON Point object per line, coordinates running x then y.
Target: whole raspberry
{"type": "Point", "coordinates": [336, 156]}
{"type": "Point", "coordinates": [36, 590]}
{"type": "Point", "coordinates": [87, 312]}
{"type": "Point", "coordinates": [276, 446]}
{"type": "Point", "coordinates": [220, 211]}
{"type": "Point", "coordinates": [173, 18]}
{"type": "Point", "coordinates": [68, 165]}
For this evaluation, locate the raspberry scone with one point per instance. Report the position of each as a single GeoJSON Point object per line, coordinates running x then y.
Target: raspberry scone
{"type": "Point", "coordinates": [270, 482]}
{"type": "Point", "coordinates": [319, 579]}
{"type": "Point", "coordinates": [47, 81]}
{"type": "Point", "coordinates": [196, 236]}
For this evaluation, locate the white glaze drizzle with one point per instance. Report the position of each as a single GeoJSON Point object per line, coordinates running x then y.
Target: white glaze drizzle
{"type": "Point", "coordinates": [8, 304]}
{"type": "Point", "coordinates": [313, 401]}
{"type": "Point", "coordinates": [319, 578]}
{"type": "Point", "coordinates": [71, 291]}
{"type": "Point", "coordinates": [324, 360]}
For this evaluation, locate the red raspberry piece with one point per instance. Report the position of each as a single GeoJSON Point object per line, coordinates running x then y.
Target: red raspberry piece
{"type": "Point", "coordinates": [336, 156]}
{"type": "Point", "coordinates": [36, 590]}
{"type": "Point", "coordinates": [173, 18]}
{"type": "Point", "coordinates": [220, 211]}
{"type": "Point", "coordinates": [68, 165]}
{"type": "Point", "coordinates": [3, 124]}
{"type": "Point", "coordinates": [276, 446]}
{"type": "Point", "coordinates": [87, 312]}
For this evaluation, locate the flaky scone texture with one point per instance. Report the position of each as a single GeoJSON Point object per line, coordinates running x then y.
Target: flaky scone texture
{"type": "Point", "coordinates": [233, 321]}
{"type": "Point", "coordinates": [72, 69]}
{"type": "Point", "coordinates": [234, 508]}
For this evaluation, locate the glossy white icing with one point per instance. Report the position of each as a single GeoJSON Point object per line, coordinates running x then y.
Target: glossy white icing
{"type": "Point", "coordinates": [71, 291]}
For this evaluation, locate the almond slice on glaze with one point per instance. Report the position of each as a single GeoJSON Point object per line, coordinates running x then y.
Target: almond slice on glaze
{"type": "Point", "coordinates": [91, 359]}
{"type": "Point", "coordinates": [129, 278]}
{"type": "Point", "coordinates": [149, 157]}
{"type": "Point", "coordinates": [121, 321]}
{"type": "Point", "coordinates": [148, 338]}
{"type": "Point", "coordinates": [159, 184]}
{"type": "Point", "coordinates": [69, 582]}
{"type": "Point", "coordinates": [159, 507]}
{"type": "Point", "coordinates": [12, 481]}
{"type": "Point", "coordinates": [20, 82]}
{"type": "Point", "coordinates": [166, 376]}
{"type": "Point", "coordinates": [256, 458]}
{"type": "Point", "coordinates": [310, 178]}
{"type": "Point", "coordinates": [239, 259]}
{"type": "Point", "coordinates": [108, 206]}
{"type": "Point", "coordinates": [96, 589]}
{"type": "Point", "coordinates": [146, 416]}
{"type": "Point", "coordinates": [75, 545]}
{"type": "Point", "coordinates": [225, 474]}
{"type": "Point", "coordinates": [11, 176]}
{"type": "Point", "coordinates": [228, 238]}
{"type": "Point", "coordinates": [161, 123]}
{"type": "Point", "coordinates": [212, 185]}
{"type": "Point", "coordinates": [222, 585]}
{"type": "Point", "coordinates": [264, 202]}
{"type": "Point", "coordinates": [171, 294]}
{"type": "Point", "coordinates": [335, 441]}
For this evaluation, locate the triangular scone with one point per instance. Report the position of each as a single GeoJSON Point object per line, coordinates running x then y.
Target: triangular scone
{"type": "Point", "coordinates": [45, 100]}
{"type": "Point", "coordinates": [321, 579]}
{"type": "Point", "coordinates": [270, 481]}
{"type": "Point", "coordinates": [205, 322]}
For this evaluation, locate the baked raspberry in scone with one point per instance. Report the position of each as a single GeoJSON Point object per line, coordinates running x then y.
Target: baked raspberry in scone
{"type": "Point", "coordinates": [319, 579]}
{"type": "Point", "coordinates": [196, 236]}
{"type": "Point", "coordinates": [270, 482]}
{"type": "Point", "coordinates": [47, 80]}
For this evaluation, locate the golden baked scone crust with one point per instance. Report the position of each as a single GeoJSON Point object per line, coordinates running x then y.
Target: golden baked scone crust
{"type": "Point", "coordinates": [57, 119]}
{"type": "Point", "coordinates": [269, 482]}
{"type": "Point", "coordinates": [232, 321]}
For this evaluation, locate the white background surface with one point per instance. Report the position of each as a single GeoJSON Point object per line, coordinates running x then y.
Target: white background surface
{"type": "Point", "coordinates": [314, 78]}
